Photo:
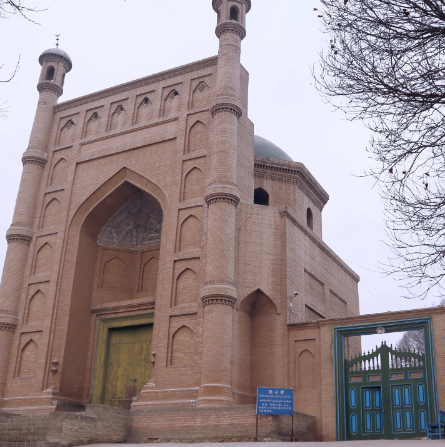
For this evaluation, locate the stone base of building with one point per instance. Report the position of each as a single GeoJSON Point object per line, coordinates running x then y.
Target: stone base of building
{"type": "Point", "coordinates": [216, 424]}
{"type": "Point", "coordinates": [100, 424]}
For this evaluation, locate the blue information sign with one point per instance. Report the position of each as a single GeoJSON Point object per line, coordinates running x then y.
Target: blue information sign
{"type": "Point", "coordinates": [275, 401]}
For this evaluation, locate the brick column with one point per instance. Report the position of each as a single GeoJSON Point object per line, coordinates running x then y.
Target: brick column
{"type": "Point", "coordinates": [20, 233]}
{"type": "Point", "coordinates": [222, 196]}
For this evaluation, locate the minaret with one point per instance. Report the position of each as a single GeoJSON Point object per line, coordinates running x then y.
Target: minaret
{"type": "Point", "coordinates": [222, 196]}
{"type": "Point", "coordinates": [55, 64]}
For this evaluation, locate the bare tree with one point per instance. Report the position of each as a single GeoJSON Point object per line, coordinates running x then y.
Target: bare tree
{"type": "Point", "coordinates": [385, 66]}
{"type": "Point", "coordinates": [412, 341]}
{"type": "Point", "coordinates": [9, 8]}
{"type": "Point", "coordinates": [15, 7]}
{"type": "Point", "coordinates": [415, 340]}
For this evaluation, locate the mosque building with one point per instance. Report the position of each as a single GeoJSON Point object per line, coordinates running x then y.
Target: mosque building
{"type": "Point", "coordinates": [163, 261]}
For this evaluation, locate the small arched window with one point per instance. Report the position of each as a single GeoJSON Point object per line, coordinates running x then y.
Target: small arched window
{"type": "Point", "coordinates": [260, 197]}
{"type": "Point", "coordinates": [310, 219]}
{"type": "Point", "coordinates": [234, 13]}
{"type": "Point", "coordinates": [50, 72]}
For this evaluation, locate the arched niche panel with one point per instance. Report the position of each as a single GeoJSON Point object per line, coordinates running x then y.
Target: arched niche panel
{"type": "Point", "coordinates": [51, 214]}
{"type": "Point", "coordinates": [59, 173]}
{"type": "Point", "coordinates": [171, 103]}
{"type": "Point", "coordinates": [114, 274]}
{"type": "Point", "coordinates": [201, 96]}
{"type": "Point", "coordinates": [36, 308]}
{"type": "Point", "coordinates": [150, 277]}
{"type": "Point", "coordinates": [67, 133]}
{"type": "Point", "coordinates": [183, 347]}
{"type": "Point", "coordinates": [44, 259]}
{"type": "Point", "coordinates": [306, 370]}
{"type": "Point", "coordinates": [187, 288]}
{"type": "Point", "coordinates": [117, 118]}
{"type": "Point", "coordinates": [190, 234]}
{"type": "Point", "coordinates": [144, 110]}
{"type": "Point", "coordinates": [28, 359]}
{"type": "Point", "coordinates": [93, 124]}
{"type": "Point", "coordinates": [198, 137]}
{"type": "Point", "coordinates": [194, 184]}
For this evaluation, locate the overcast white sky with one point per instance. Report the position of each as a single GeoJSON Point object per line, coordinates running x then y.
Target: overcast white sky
{"type": "Point", "coordinates": [115, 41]}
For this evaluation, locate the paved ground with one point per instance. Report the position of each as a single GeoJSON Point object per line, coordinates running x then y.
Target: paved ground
{"type": "Point", "coordinates": [405, 443]}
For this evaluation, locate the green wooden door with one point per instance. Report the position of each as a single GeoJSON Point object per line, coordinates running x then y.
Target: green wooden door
{"type": "Point", "coordinates": [127, 364]}
{"type": "Point", "coordinates": [372, 412]}
{"type": "Point", "coordinates": [387, 395]}
{"type": "Point", "coordinates": [402, 408]}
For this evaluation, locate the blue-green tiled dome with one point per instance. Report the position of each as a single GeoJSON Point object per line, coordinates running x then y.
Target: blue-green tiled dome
{"type": "Point", "coordinates": [267, 149]}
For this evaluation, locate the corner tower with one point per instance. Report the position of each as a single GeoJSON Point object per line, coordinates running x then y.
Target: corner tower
{"type": "Point", "coordinates": [222, 196]}
{"type": "Point", "coordinates": [55, 64]}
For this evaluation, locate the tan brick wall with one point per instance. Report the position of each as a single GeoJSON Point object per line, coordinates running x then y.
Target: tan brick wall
{"type": "Point", "coordinates": [317, 338]}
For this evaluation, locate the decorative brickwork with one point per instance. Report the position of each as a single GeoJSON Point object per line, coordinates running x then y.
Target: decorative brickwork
{"type": "Point", "coordinates": [221, 108]}
{"type": "Point", "coordinates": [47, 87]}
{"type": "Point", "coordinates": [222, 198]}
{"type": "Point", "coordinates": [137, 223]}
{"type": "Point", "coordinates": [136, 212]}
{"type": "Point", "coordinates": [18, 239]}
{"type": "Point", "coordinates": [29, 161]}
{"type": "Point", "coordinates": [225, 301]}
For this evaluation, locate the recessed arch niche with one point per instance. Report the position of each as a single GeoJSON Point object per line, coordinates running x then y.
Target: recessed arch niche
{"type": "Point", "coordinates": [259, 327]}
{"type": "Point", "coordinates": [122, 218]}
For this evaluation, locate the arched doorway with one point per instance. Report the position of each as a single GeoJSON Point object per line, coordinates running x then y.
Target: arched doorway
{"type": "Point", "coordinates": [114, 244]}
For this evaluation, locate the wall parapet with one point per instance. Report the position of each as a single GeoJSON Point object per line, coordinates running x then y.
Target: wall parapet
{"type": "Point", "coordinates": [285, 212]}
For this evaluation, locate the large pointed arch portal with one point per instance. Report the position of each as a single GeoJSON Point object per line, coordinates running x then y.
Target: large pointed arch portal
{"type": "Point", "coordinates": [112, 252]}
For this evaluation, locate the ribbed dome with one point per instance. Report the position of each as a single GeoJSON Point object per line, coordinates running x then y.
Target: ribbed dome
{"type": "Point", "coordinates": [267, 149]}
{"type": "Point", "coordinates": [58, 53]}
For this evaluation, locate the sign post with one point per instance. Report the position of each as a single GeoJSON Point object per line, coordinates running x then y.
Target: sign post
{"type": "Point", "coordinates": [275, 401]}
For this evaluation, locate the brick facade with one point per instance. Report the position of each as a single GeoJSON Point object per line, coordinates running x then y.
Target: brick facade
{"type": "Point", "coordinates": [139, 199]}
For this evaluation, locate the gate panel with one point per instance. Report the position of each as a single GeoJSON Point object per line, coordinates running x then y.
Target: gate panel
{"type": "Point", "coordinates": [372, 410]}
{"type": "Point", "coordinates": [402, 409]}
{"type": "Point", "coordinates": [386, 395]}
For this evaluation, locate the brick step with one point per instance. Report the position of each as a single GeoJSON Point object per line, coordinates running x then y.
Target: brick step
{"type": "Point", "coordinates": [13, 425]}
{"type": "Point", "coordinates": [22, 422]}
{"type": "Point", "coordinates": [37, 432]}
{"type": "Point", "coordinates": [27, 444]}
{"type": "Point", "coordinates": [11, 436]}
{"type": "Point", "coordinates": [24, 431]}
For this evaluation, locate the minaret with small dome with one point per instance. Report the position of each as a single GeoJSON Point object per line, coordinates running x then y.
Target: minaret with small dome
{"type": "Point", "coordinates": [55, 64]}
